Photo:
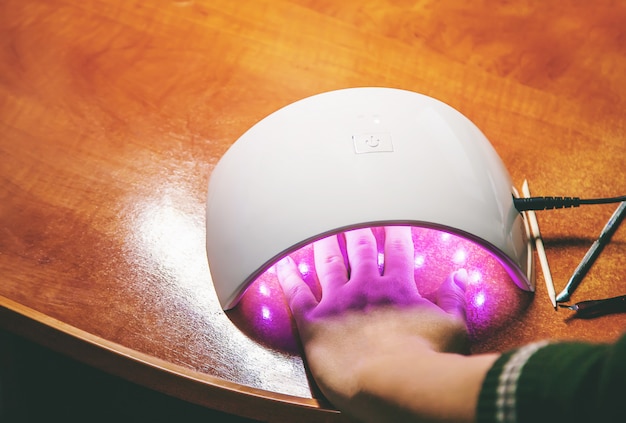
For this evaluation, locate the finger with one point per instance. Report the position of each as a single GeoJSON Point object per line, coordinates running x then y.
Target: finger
{"type": "Point", "coordinates": [329, 264]}
{"type": "Point", "coordinates": [299, 296]}
{"type": "Point", "coordinates": [399, 253]}
{"type": "Point", "coordinates": [451, 294]}
{"type": "Point", "coordinates": [362, 254]}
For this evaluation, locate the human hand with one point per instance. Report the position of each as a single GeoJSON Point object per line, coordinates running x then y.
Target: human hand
{"type": "Point", "coordinates": [364, 317]}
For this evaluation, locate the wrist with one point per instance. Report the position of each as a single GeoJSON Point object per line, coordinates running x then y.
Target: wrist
{"type": "Point", "coordinates": [421, 385]}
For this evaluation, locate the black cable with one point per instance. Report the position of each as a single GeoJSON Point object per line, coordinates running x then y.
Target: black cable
{"type": "Point", "coordinates": [548, 203]}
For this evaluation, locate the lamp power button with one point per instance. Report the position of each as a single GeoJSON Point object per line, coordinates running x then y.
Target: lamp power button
{"type": "Point", "coordinates": [372, 142]}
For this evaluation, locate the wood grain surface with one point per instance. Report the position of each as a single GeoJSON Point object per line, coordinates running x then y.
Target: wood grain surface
{"type": "Point", "coordinates": [113, 114]}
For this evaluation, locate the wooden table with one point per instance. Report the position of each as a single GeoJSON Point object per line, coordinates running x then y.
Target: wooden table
{"type": "Point", "coordinates": [114, 113]}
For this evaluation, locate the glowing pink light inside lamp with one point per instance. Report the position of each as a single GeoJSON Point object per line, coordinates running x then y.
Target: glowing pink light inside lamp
{"type": "Point", "coordinates": [492, 299]}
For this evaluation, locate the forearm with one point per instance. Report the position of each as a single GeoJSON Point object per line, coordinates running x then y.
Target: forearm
{"type": "Point", "coordinates": [421, 385]}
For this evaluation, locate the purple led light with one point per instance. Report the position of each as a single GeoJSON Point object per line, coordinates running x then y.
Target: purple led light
{"type": "Point", "coordinates": [492, 297]}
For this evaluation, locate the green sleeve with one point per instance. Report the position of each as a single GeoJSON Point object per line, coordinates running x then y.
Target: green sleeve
{"type": "Point", "coordinates": [549, 382]}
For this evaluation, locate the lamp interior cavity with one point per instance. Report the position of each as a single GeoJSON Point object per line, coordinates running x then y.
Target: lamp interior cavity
{"type": "Point", "coordinates": [492, 299]}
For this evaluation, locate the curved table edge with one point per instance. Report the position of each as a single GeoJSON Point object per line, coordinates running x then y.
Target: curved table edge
{"type": "Point", "coordinates": [160, 375]}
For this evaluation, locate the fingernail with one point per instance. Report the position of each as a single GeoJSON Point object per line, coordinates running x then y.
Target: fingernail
{"type": "Point", "coordinates": [284, 262]}
{"type": "Point", "coordinates": [460, 278]}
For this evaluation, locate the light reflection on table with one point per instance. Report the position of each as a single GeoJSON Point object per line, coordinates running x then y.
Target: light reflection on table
{"type": "Point", "coordinates": [167, 231]}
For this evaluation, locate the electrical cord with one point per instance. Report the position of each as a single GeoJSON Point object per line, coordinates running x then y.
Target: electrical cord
{"type": "Point", "coordinates": [549, 203]}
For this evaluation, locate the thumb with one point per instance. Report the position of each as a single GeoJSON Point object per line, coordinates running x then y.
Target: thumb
{"type": "Point", "coordinates": [451, 294]}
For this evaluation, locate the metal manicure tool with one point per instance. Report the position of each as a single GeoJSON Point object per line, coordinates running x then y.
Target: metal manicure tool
{"type": "Point", "coordinates": [593, 253]}
{"type": "Point", "coordinates": [594, 308]}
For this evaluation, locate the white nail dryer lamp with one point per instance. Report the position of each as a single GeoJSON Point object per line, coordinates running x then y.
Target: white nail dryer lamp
{"type": "Point", "coordinates": [352, 158]}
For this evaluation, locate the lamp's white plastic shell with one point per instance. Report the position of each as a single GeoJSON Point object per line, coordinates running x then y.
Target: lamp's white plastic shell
{"type": "Point", "coordinates": [356, 157]}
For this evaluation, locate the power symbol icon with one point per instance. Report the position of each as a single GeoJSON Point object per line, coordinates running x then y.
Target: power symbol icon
{"type": "Point", "coordinates": [377, 142]}
{"type": "Point", "coordinates": [372, 141]}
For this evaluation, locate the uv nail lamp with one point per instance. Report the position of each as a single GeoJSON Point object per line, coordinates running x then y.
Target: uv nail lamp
{"type": "Point", "coordinates": [353, 158]}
